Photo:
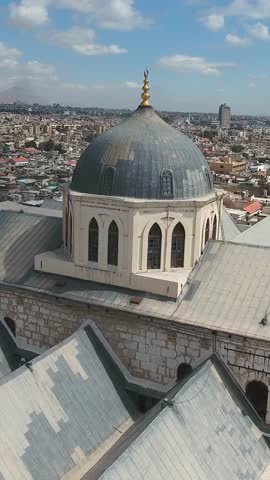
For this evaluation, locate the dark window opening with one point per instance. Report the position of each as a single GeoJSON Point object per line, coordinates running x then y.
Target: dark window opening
{"type": "Point", "coordinates": [11, 325]}
{"type": "Point", "coordinates": [214, 232]}
{"type": "Point", "coordinates": [183, 371]}
{"type": "Point", "coordinates": [178, 246]}
{"type": "Point", "coordinates": [208, 177]}
{"type": "Point", "coordinates": [113, 244]}
{"type": "Point", "coordinates": [207, 232]}
{"type": "Point", "coordinates": [66, 231]}
{"type": "Point", "coordinates": [154, 248]}
{"type": "Point", "coordinates": [108, 179]}
{"type": "Point", "coordinates": [70, 234]}
{"type": "Point", "coordinates": [257, 393]}
{"type": "Point", "coordinates": [93, 241]}
{"type": "Point", "coordinates": [167, 184]}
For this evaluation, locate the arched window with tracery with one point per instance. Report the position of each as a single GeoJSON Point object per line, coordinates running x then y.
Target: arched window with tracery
{"type": "Point", "coordinates": [214, 231]}
{"type": "Point", "coordinates": [113, 238]}
{"type": "Point", "coordinates": [154, 247]}
{"type": "Point", "coordinates": [107, 181]}
{"type": "Point", "coordinates": [207, 232]}
{"type": "Point", "coordinates": [178, 246]}
{"type": "Point", "coordinates": [93, 241]}
{"type": "Point", "coordinates": [167, 184]}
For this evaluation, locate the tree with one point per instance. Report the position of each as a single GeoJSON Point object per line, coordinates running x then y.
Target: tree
{"type": "Point", "coordinates": [237, 148]}
{"type": "Point", "coordinates": [47, 146]}
{"type": "Point", "coordinates": [59, 148]}
{"type": "Point", "coordinates": [31, 143]}
{"type": "Point", "coordinates": [5, 148]}
{"type": "Point", "coordinates": [263, 183]}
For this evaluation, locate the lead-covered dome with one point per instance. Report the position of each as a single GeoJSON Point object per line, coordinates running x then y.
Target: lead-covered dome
{"type": "Point", "coordinates": [143, 157]}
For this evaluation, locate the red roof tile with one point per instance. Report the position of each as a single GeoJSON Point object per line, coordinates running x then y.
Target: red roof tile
{"type": "Point", "coordinates": [253, 207]}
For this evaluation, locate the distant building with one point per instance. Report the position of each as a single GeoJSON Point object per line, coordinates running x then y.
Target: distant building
{"type": "Point", "coordinates": [228, 166]}
{"type": "Point", "coordinates": [225, 116]}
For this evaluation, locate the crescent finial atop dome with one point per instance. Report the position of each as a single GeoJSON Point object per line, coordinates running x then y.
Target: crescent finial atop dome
{"type": "Point", "coordinates": [145, 90]}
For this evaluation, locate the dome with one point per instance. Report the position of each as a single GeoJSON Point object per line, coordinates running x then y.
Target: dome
{"type": "Point", "coordinates": [143, 157]}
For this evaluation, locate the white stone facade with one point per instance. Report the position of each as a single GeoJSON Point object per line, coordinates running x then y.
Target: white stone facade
{"type": "Point", "coordinates": [134, 219]}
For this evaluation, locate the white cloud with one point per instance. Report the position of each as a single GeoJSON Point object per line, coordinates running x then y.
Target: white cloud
{"type": "Point", "coordinates": [260, 31]}
{"type": "Point", "coordinates": [220, 90]}
{"type": "Point", "coordinates": [36, 69]}
{"type": "Point", "coordinates": [236, 41]}
{"type": "Point", "coordinates": [131, 85]}
{"type": "Point", "coordinates": [185, 63]}
{"type": "Point", "coordinates": [257, 76]}
{"type": "Point", "coordinates": [74, 86]}
{"type": "Point", "coordinates": [82, 40]}
{"type": "Point", "coordinates": [110, 14]}
{"type": "Point", "coordinates": [29, 13]}
{"type": "Point", "coordinates": [256, 9]}
{"type": "Point", "coordinates": [8, 56]}
{"type": "Point", "coordinates": [214, 21]}
{"type": "Point", "coordinates": [252, 84]}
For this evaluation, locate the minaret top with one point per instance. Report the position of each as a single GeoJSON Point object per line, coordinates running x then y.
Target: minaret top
{"type": "Point", "coordinates": [145, 90]}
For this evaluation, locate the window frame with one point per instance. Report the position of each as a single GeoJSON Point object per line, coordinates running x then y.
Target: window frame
{"type": "Point", "coordinates": [113, 244]}
{"type": "Point", "coordinates": [93, 240]}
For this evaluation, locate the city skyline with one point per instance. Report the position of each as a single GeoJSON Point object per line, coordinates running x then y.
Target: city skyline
{"type": "Point", "coordinates": [89, 53]}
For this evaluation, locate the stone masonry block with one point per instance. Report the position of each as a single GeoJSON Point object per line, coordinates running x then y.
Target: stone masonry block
{"type": "Point", "coordinates": [168, 353]}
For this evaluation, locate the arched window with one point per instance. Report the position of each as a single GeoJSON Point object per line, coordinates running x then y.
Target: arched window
{"type": "Point", "coordinates": [257, 393]}
{"type": "Point", "coordinates": [93, 241]}
{"type": "Point", "coordinates": [214, 231]}
{"type": "Point", "coordinates": [11, 325]}
{"type": "Point", "coordinates": [154, 247]}
{"type": "Point", "coordinates": [207, 232]}
{"type": "Point", "coordinates": [113, 244]}
{"type": "Point", "coordinates": [107, 181]}
{"type": "Point", "coordinates": [208, 178]}
{"type": "Point", "coordinates": [178, 246]}
{"type": "Point", "coordinates": [66, 228]}
{"type": "Point", "coordinates": [183, 371]}
{"type": "Point", "coordinates": [70, 233]}
{"type": "Point", "coordinates": [167, 184]}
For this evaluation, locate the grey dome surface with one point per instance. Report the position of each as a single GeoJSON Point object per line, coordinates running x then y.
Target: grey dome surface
{"type": "Point", "coordinates": [143, 157]}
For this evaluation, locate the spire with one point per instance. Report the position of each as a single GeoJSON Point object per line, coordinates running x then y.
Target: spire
{"type": "Point", "coordinates": [145, 90]}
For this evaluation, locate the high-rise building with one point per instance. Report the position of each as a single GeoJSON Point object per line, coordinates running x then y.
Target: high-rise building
{"type": "Point", "coordinates": [225, 115]}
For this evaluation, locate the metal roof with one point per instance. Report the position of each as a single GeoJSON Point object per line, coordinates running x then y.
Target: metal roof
{"type": "Point", "coordinates": [138, 150]}
{"type": "Point", "coordinates": [229, 226]}
{"type": "Point", "coordinates": [22, 236]}
{"type": "Point", "coordinates": [258, 234]}
{"type": "Point", "coordinates": [43, 211]}
{"type": "Point", "coordinates": [229, 290]}
{"type": "Point", "coordinates": [203, 435]}
{"type": "Point", "coordinates": [62, 413]}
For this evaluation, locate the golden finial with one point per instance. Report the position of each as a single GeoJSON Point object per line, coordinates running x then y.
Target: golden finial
{"type": "Point", "coordinates": [145, 88]}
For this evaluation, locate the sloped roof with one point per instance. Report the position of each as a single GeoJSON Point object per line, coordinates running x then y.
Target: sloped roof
{"type": "Point", "coordinates": [61, 414]}
{"type": "Point", "coordinates": [253, 207]}
{"type": "Point", "coordinates": [22, 236]}
{"type": "Point", "coordinates": [203, 435]}
{"type": "Point", "coordinates": [258, 234]}
{"type": "Point", "coordinates": [229, 226]}
{"type": "Point", "coordinates": [229, 290]}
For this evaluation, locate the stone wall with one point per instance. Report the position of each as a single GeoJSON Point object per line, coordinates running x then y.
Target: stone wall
{"type": "Point", "coordinates": [150, 348]}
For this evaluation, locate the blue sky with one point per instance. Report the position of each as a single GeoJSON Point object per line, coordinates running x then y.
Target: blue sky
{"type": "Point", "coordinates": [93, 52]}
